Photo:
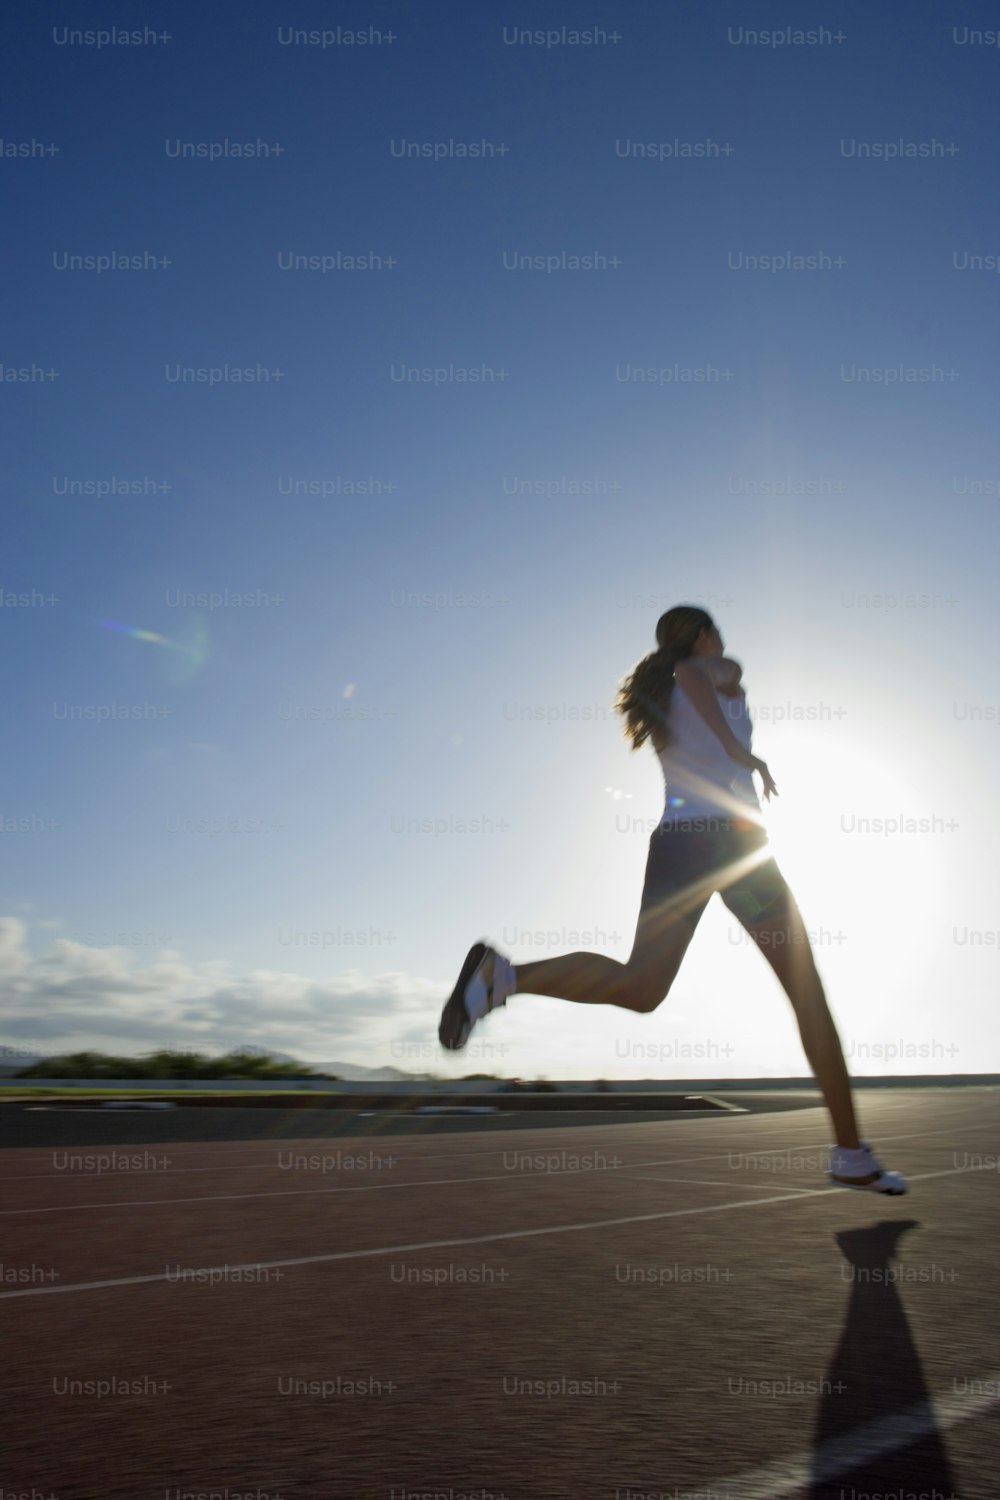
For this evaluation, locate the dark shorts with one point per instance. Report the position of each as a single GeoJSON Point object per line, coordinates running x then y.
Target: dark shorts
{"type": "Point", "coordinates": [687, 865]}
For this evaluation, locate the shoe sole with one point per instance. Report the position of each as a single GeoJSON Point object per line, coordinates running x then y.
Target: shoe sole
{"type": "Point", "coordinates": [867, 1187]}
{"type": "Point", "coordinates": [454, 1016]}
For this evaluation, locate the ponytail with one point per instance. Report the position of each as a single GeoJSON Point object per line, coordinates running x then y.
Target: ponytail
{"type": "Point", "coordinates": [644, 695]}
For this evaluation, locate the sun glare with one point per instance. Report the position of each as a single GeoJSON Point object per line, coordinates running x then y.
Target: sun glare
{"type": "Point", "coordinates": [820, 825]}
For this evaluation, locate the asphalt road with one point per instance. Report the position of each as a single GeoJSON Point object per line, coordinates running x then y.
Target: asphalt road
{"type": "Point", "coordinates": [472, 1307]}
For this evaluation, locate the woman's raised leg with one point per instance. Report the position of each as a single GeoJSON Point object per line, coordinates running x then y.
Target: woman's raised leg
{"type": "Point", "coordinates": [662, 935]}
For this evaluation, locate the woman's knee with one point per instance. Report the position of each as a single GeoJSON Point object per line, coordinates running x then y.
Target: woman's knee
{"type": "Point", "coordinates": [644, 993]}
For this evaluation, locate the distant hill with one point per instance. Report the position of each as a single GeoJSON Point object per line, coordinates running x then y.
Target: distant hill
{"type": "Point", "coordinates": [354, 1072]}
{"type": "Point", "coordinates": [12, 1060]}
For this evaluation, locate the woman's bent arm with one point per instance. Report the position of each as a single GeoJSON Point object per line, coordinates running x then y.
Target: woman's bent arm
{"type": "Point", "coordinates": [724, 673]}
{"type": "Point", "coordinates": [696, 682]}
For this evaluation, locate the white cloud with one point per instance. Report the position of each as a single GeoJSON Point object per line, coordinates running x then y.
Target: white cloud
{"type": "Point", "coordinates": [12, 950]}
{"type": "Point", "coordinates": [76, 996]}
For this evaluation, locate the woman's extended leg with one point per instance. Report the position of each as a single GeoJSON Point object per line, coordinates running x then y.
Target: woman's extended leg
{"type": "Point", "coordinates": [784, 942]}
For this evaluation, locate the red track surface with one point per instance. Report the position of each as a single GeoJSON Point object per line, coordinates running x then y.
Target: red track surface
{"type": "Point", "coordinates": [458, 1322]}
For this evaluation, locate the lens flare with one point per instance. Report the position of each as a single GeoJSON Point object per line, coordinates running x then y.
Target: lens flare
{"type": "Point", "coordinates": [141, 635]}
{"type": "Point", "coordinates": [189, 647]}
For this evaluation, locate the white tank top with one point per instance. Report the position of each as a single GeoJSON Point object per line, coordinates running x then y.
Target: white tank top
{"type": "Point", "coordinates": [701, 781]}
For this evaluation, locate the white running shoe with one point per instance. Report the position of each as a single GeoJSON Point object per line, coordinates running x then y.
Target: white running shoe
{"type": "Point", "coordinates": [487, 978]}
{"type": "Point", "coordinates": [846, 1164]}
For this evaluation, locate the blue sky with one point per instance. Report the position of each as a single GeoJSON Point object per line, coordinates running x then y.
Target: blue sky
{"type": "Point", "coordinates": [214, 810]}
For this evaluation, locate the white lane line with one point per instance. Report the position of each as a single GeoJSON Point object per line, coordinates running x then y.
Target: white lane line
{"type": "Point", "coordinates": [332, 1143]}
{"type": "Point", "coordinates": [859, 1445]}
{"type": "Point", "coordinates": [421, 1157]}
{"type": "Point", "coordinates": [366, 1187]}
{"type": "Point", "coordinates": [57, 1175]}
{"type": "Point", "coordinates": [416, 1159]}
{"type": "Point", "coordinates": [375, 1187]}
{"type": "Point", "coordinates": [477, 1239]}
{"type": "Point", "coordinates": [314, 1146]}
{"type": "Point", "coordinates": [760, 1187]}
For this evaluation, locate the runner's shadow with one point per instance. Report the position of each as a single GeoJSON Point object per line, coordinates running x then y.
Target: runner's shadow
{"type": "Point", "coordinates": [875, 1386]}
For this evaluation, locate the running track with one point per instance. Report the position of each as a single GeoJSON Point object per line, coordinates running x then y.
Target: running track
{"type": "Point", "coordinates": [620, 1310]}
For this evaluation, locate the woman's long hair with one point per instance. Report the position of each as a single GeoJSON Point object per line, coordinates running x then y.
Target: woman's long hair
{"type": "Point", "coordinates": [644, 695]}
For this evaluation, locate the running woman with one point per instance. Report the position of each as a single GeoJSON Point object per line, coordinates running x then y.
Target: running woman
{"type": "Point", "coordinates": [685, 697]}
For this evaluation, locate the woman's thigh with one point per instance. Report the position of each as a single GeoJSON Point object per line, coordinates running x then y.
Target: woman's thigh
{"type": "Point", "coordinates": [752, 886]}
{"type": "Point", "coordinates": [762, 902]}
{"type": "Point", "coordinates": [678, 885]}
